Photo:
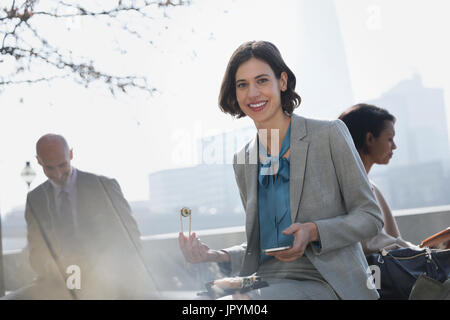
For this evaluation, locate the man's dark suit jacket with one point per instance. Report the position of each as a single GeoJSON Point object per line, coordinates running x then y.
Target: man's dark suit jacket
{"type": "Point", "coordinates": [107, 244]}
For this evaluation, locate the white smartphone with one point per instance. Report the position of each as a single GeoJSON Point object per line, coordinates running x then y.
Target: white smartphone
{"type": "Point", "coordinates": [276, 249]}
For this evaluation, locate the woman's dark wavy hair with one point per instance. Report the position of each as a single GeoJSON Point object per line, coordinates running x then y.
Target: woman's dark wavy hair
{"type": "Point", "coordinates": [268, 53]}
{"type": "Point", "coordinates": [363, 118]}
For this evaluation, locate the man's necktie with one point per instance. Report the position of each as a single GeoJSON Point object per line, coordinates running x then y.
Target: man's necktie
{"type": "Point", "coordinates": [65, 225]}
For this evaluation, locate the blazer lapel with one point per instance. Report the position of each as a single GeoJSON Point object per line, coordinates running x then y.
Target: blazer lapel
{"type": "Point", "coordinates": [299, 150]}
{"type": "Point", "coordinates": [81, 196]}
{"type": "Point", "coordinates": [87, 203]}
{"type": "Point", "coordinates": [251, 183]}
{"type": "Point", "coordinates": [45, 206]}
{"type": "Point", "coordinates": [44, 210]}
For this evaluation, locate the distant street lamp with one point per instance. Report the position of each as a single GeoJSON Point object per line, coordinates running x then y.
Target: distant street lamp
{"type": "Point", "coordinates": [28, 174]}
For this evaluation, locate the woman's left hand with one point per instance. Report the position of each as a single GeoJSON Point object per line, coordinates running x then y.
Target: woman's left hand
{"type": "Point", "coordinates": [303, 233]}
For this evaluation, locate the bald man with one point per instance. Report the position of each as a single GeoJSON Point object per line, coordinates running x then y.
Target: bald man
{"type": "Point", "coordinates": [54, 155]}
{"type": "Point", "coordinates": [82, 240]}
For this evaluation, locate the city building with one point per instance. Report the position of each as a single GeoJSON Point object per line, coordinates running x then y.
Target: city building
{"type": "Point", "coordinates": [418, 174]}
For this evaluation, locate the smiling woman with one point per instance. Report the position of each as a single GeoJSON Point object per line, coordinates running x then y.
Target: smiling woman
{"type": "Point", "coordinates": [274, 72]}
{"type": "Point", "coordinates": [258, 89]}
{"type": "Point", "coordinates": [302, 185]}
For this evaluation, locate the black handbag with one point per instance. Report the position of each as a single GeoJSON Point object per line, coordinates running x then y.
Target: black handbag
{"type": "Point", "coordinates": [400, 269]}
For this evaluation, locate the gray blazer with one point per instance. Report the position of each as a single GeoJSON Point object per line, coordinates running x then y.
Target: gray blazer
{"type": "Point", "coordinates": [328, 186]}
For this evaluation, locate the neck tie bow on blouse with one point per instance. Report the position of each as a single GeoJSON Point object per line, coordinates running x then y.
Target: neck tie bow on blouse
{"type": "Point", "coordinates": [267, 170]}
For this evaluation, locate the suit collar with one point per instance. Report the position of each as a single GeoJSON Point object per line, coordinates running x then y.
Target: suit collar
{"type": "Point", "coordinates": [298, 127]}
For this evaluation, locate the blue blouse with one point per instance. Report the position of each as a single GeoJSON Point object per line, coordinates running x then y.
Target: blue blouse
{"type": "Point", "coordinates": [274, 209]}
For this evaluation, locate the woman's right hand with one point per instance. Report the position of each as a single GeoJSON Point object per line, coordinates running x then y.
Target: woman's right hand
{"type": "Point", "coordinates": [193, 250]}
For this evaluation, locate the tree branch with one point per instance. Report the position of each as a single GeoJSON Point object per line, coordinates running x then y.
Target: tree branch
{"type": "Point", "coordinates": [15, 22]}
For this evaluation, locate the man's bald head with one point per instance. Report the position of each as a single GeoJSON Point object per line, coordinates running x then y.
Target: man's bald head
{"type": "Point", "coordinates": [54, 155]}
{"type": "Point", "coordinates": [51, 141]}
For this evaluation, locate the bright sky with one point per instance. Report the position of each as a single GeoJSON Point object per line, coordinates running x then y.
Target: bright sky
{"type": "Point", "coordinates": [129, 137]}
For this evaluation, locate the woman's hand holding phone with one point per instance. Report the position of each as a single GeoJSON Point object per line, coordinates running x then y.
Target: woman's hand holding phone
{"type": "Point", "coordinates": [303, 233]}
